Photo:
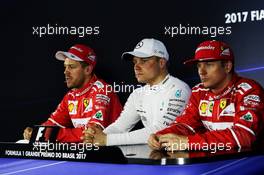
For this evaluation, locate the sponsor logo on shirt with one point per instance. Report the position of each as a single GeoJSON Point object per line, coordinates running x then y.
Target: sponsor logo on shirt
{"type": "Point", "coordinates": [99, 84]}
{"type": "Point", "coordinates": [72, 107]}
{"type": "Point", "coordinates": [244, 86]}
{"type": "Point", "coordinates": [178, 93]}
{"type": "Point", "coordinates": [222, 104]}
{"type": "Point", "coordinates": [251, 100]}
{"type": "Point", "coordinates": [169, 118]}
{"type": "Point", "coordinates": [229, 110]}
{"type": "Point", "coordinates": [102, 98]}
{"type": "Point", "coordinates": [98, 115]}
{"type": "Point", "coordinates": [177, 100]}
{"type": "Point", "coordinates": [79, 122]}
{"type": "Point", "coordinates": [203, 107]}
{"type": "Point", "coordinates": [173, 110]}
{"type": "Point", "coordinates": [175, 105]}
{"type": "Point", "coordinates": [210, 108]}
{"type": "Point", "coordinates": [248, 117]}
{"type": "Point", "coordinates": [88, 105]}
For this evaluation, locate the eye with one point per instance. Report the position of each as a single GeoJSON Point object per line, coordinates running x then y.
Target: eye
{"type": "Point", "coordinates": [209, 64]}
{"type": "Point", "coordinates": [71, 66]}
{"type": "Point", "coordinates": [144, 60]}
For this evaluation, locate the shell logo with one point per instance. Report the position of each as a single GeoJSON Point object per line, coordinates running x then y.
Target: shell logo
{"type": "Point", "coordinates": [203, 107]}
{"type": "Point", "coordinates": [70, 107]}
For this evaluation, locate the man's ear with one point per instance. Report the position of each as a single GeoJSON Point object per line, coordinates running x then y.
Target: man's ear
{"type": "Point", "coordinates": [228, 66]}
{"type": "Point", "coordinates": [163, 63]}
{"type": "Point", "coordinates": [89, 69]}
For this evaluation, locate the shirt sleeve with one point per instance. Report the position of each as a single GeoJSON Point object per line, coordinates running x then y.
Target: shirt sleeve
{"type": "Point", "coordinates": [187, 123]}
{"type": "Point", "coordinates": [128, 117]}
{"type": "Point", "coordinates": [172, 107]}
{"type": "Point", "coordinates": [106, 108]}
{"type": "Point", "coordinates": [60, 117]}
{"type": "Point", "coordinates": [248, 122]}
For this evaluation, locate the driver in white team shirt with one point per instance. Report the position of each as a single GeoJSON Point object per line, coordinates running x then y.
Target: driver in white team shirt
{"type": "Point", "coordinates": [156, 104]}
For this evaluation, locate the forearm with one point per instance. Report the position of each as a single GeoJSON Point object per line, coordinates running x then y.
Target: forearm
{"type": "Point", "coordinates": [228, 138]}
{"type": "Point", "coordinates": [70, 135]}
{"type": "Point", "coordinates": [128, 138]}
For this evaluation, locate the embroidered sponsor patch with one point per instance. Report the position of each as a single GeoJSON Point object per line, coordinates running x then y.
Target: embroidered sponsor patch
{"type": "Point", "coordinates": [99, 84]}
{"type": "Point", "coordinates": [203, 107]}
{"type": "Point", "coordinates": [85, 102]}
{"type": "Point", "coordinates": [229, 110]}
{"type": "Point", "coordinates": [226, 52]}
{"type": "Point", "coordinates": [178, 93]}
{"type": "Point", "coordinates": [244, 86]}
{"type": "Point", "coordinates": [210, 108]}
{"type": "Point", "coordinates": [217, 125]}
{"type": "Point", "coordinates": [222, 104]}
{"type": "Point", "coordinates": [173, 111]}
{"type": "Point", "coordinates": [252, 98]}
{"type": "Point", "coordinates": [248, 117]}
{"type": "Point", "coordinates": [98, 115]}
{"type": "Point", "coordinates": [101, 97]}
{"type": "Point", "coordinates": [79, 122]}
{"type": "Point", "coordinates": [88, 105]}
{"type": "Point", "coordinates": [99, 107]}
{"type": "Point", "coordinates": [177, 100]}
{"type": "Point", "coordinates": [72, 107]}
{"type": "Point", "coordinates": [243, 108]}
{"type": "Point", "coordinates": [168, 118]}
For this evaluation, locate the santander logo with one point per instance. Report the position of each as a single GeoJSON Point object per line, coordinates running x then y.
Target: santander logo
{"type": "Point", "coordinates": [205, 48]}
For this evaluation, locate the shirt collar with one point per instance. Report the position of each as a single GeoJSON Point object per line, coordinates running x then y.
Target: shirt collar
{"type": "Point", "coordinates": [226, 90]}
{"type": "Point", "coordinates": [86, 87]}
{"type": "Point", "coordinates": [158, 86]}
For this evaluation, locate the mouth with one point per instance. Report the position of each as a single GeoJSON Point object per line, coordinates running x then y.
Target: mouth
{"type": "Point", "coordinates": [67, 79]}
{"type": "Point", "coordinates": [138, 74]}
{"type": "Point", "coordinates": [203, 79]}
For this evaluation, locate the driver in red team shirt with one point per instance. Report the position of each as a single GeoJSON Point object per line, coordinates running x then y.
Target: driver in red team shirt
{"type": "Point", "coordinates": [89, 102]}
{"type": "Point", "coordinates": [224, 109]}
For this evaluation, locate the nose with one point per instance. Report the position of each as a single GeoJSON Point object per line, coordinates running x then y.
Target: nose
{"type": "Point", "coordinates": [66, 70]}
{"type": "Point", "coordinates": [136, 66]}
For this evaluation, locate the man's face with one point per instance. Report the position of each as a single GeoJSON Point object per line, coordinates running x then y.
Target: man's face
{"type": "Point", "coordinates": [147, 69]}
{"type": "Point", "coordinates": [74, 73]}
{"type": "Point", "coordinates": [213, 74]}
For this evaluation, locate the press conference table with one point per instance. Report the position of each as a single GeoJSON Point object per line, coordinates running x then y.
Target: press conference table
{"type": "Point", "coordinates": [138, 159]}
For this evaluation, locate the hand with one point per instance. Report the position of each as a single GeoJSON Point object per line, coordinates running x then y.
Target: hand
{"type": "Point", "coordinates": [178, 154]}
{"type": "Point", "coordinates": [173, 142]}
{"type": "Point", "coordinates": [88, 135]}
{"type": "Point", "coordinates": [27, 133]}
{"type": "Point", "coordinates": [94, 134]}
{"type": "Point", "coordinates": [156, 155]}
{"type": "Point", "coordinates": [153, 142]}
